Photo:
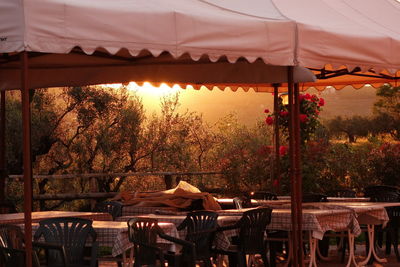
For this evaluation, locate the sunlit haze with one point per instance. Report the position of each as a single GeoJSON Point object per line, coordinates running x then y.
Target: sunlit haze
{"type": "Point", "coordinates": [249, 106]}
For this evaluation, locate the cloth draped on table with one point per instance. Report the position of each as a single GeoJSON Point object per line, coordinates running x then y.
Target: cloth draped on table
{"type": "Point", "coordinates": [184, 196]}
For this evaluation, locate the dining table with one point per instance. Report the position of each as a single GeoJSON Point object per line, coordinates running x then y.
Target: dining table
{"type": "Point", "coordinates": [131, 210]}
{"type": "Point", "coordinates": [315, 222]}
{"type": "Point", "coordinates": [18, 218]}
{"type": "Point", "coordinates": [370, 214]}
{"type": "Point", "coordinates": [335, 199]}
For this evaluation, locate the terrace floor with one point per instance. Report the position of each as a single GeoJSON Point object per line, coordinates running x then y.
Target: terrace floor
{"type": "Point", "coordinates": [391, 260]}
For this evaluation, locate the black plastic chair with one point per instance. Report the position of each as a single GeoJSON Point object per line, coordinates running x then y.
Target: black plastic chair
{"type": "Point", "coordinates": [7, 207]}
{"type": "Point", "coordinates": [72, 234]}
{"type": "Point", "coordinates": [312, 197]}
{"type": "Point", "coordinates": [112, 207]}
{"type": "Point", "coordinates": [242, 202]}
{"type": "Point", "coordinates": [392, 228]}
{"type": "Point", "coordinates": [251, 239]}
{"type": "Point", "coordinates": [264, 195]}
{"type": "Point", "coordinates": [12, 247]}
{"type": "Point", "coordinates": [376, 190]}
{"type": "Point", "coordinates": [200, 229]}
{"type": "Point", "coordinates": [342, 193]}
{"type": "Point", "coordinates": [143, 233]}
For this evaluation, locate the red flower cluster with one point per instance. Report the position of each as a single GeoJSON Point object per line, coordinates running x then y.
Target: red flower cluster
{"type": "Point", "coordinates": [283, 150]}
{"type": "Point", "coordinates": [310, 107]}
{"type": "Point", "coordinates": [269, 120]}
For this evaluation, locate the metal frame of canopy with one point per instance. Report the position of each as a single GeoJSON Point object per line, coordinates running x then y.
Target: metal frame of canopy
{"type": "Point", "coordinates": [24, 70]}
{"type": "Point", "coordinates": [294, 144]}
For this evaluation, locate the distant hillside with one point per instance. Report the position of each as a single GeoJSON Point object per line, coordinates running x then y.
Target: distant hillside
{"type": "Point", "coordinates": [249, 106]}
{"type": "Point", "coordinates": [348, 102]}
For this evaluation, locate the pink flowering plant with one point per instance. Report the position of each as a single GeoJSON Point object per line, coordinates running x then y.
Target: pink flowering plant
{"type": "Point", "coordinates": [310, 107]}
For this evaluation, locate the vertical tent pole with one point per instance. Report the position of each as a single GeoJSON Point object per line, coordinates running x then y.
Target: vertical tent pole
{"type": "Point", "coordinates": [26, 130]}
{"type": "Point", "coordinates": [2, 145]}
{"type": "Point", "coordinates": [296, 239]}
{"type": "Point", "coordinates": [277, 167]}
{"type": "Point", "coordinates": [297, 168]}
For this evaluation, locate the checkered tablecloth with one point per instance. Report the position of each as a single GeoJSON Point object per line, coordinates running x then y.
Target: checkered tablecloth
{"type": "Point", "coordinates": [367, 212]}
{"type": "Point", "coordinates": [131, 210]}
{"type": "Point", "coordinates": [317, 221]}
{"type": "Point", "coordinates": [18, 218]}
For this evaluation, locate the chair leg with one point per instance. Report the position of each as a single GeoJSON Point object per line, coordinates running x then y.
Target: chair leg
{"type": "Point", "coordinates": [241, 260]}
{"type": "Point", "coordinates": [208, 263]}
{"type": "Point", "coordinates": [233, 262]}
{"type": "Point", "coordinates": [324, 246]}
{"type": "Point", "coordinates": [264, 259]}
{"type": "Point", "coordinates": [388, 241]}
{"type": "Point", "coordinates": [343, 249]}
{"type": "Point", "coordinates": [379, 236]}
{"type": "Point", "coordinates": [272, 253]}
{"type": "Point", "coordinates": [395, 242]}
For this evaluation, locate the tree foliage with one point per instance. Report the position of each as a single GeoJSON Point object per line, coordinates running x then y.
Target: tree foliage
{"type": "Point", "coordinates": [352, 127]}
{"type": "Point", "coordinates": [388, 108]}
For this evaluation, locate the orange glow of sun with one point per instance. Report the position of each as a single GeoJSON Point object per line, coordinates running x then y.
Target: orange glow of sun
{"type": "Point", "coordinates": [147, 89]}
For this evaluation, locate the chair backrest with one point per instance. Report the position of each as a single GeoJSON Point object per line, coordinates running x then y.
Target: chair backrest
{"type": "Point", "coordinates": [72, 233]}
{"type": "Point", "coordinates": [112, 207]}
{"type": "Point", "coordinates": [311, 197]}
{"type": "Point", "coordinates": [376, 190]}
{"type": "Point", "coordinates": [143, 234]}
{"type": "Point", "coordinates": [200, 229]}
{"type": "Point", "coordinates": [252, 227]}
{"type": "Point", "coordinates": [12, 247]}
{"type": "Point", "coordinates": [237, 202]}
{"type": "Point", "coordinates": [264, 195]}
{"type": "Point", "coordinates": [7, 207]}
{"type": "Point", "coordinates": [242, 202]}
{"type": "Point", "coordinates": [342, 193]}
{"type": "Point", "coordinates": [386, 197]}
{"type": "Point", "coordinates": [392, 212]}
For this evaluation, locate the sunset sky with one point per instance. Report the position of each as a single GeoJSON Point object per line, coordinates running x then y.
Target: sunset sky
{"type": "Point", "coordinates": [249, 106]}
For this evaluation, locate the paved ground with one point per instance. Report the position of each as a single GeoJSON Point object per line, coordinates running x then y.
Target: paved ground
{"type": "Point", "coordinates": [391, 261]}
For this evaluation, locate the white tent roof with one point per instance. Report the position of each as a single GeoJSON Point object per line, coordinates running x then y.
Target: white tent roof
{"type": "Point", "coordinates": [177, 40]}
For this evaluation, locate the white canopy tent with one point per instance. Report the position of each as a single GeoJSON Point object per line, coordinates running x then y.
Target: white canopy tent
{"type": "Point", "coordinates": [248, 44]}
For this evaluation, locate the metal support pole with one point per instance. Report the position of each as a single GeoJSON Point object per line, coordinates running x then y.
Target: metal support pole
{"type": "Point", "coordinates": [27, 157]}
{"type": "Point", "coordinates": [2, 145]}
{"type": "Point", "coordinates": [297, 243]}
{"type": "Point", "coordinates": [277, 169]}
{"type": "Point", "coordinates": [297, 165]}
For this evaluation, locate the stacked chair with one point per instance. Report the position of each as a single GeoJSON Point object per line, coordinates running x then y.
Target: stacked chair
{"type": "Point", "coordinates": [112, 207]}
{"type": "Point", "coordinates": [313, 197]}
{"type": "Point", "coordinates": [264, 195]}
{"type": "Point", "coordinates": [7, 207]}
{"type": "Point", "coordinates": [342, 193]}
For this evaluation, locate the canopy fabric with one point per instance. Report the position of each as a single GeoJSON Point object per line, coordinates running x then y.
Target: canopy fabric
{"type": "Point", "coordinates": [354, 33]}
{"type": "Point", "coordinates": [80, 42]}
{"type": "Point", "coordinates": [77, 68]}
